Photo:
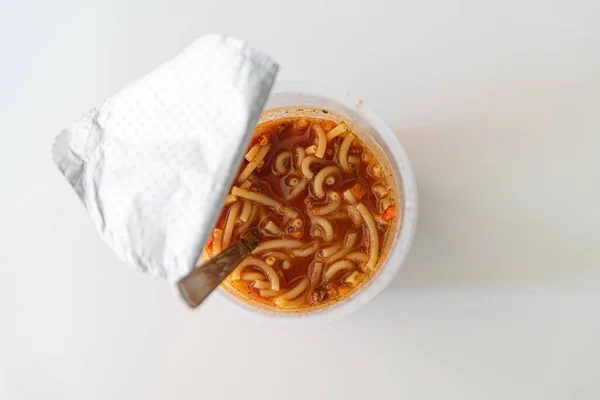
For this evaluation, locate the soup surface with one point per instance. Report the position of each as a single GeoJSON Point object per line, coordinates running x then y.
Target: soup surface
{"type": "Point", "coordinates": [323, 205]}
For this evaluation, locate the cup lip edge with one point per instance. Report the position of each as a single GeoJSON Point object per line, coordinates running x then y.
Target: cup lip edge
{"type": "Point", "coordinates": [399, 250]}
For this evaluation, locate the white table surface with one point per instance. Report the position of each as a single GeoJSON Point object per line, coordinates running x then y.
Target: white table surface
{"type": "Point", "coordinates": [498, 107]}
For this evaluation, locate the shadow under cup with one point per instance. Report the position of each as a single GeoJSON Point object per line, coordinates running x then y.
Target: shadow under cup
{"type": "Point", "coordinates": [300, 99]}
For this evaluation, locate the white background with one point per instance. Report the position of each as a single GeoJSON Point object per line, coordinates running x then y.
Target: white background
{"type": "Point", "coordinates": [498, 106]}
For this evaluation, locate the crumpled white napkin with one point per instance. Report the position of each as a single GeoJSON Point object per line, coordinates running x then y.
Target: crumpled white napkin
{"type": "Point", "coordinates": [152, 164]}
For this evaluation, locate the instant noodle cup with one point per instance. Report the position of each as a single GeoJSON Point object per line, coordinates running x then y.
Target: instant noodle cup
{"type": "Point", "coordinates": [330, 188]}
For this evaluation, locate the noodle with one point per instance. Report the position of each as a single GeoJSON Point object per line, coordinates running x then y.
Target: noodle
{"type": "Point", "coordinates": [329, 251]}
{"type": "Point", "coordinates": [290, 212]}
{"type": "Point", "coordinates": [376, 170]}
{"type": "Point", "coordinates": [343, 154]}
{"type": "Point", "coordinates": [292, 180]}
{"type": "Point", "coordinates": [252, 276]}
{"type": "Point", "coordinates": [281, 160]}
{"type": "Point", "coordinates": [349, 197]}
{"type": "Point", "coordinates": [385, 203]}
{"type": "Point", "coordinates": [230, 224]}
{"type": "Point", "coordinates": [366, 157]}
{"type": "Point", "coordinates": [357, 257]}
{"type": "Point", "coordinates": [315, 275]}
{"type": "Point", "coordinates": [320, 178]}
{"type": "Point", "coordinates": [296, 290]}
{"type": "Point", "coordinates": [333, 205]}
{"type": "Point", "coordinates": [257, 197]}
{"type": "Point", "coordinates": [300, 156]}
{"type": "Point", "coordinates": [271, 228]}
{"type": "Point", "coordinates": [311, 150]}
{"type": "Point", "coordinates": [277, 244]}
{"type": "Point", "coordinates": [322, 138]}
{"type": "Point", "coordinates": [354, 278]}
{"type": "Point", "coordinates": [270, 260]}
{"type": "Point", "coordinates": [270, 273]}
{"type": "Point", "coordinates": [299, 188]}
{"type": "Point", "coordinates": [290, 304]}
{"type": "Point", "coordinates": [279, 255]}
{"type": "Point", "coordinates": [252, 152]}
{"type": "Point", "coordinates": [353, 160]}
{"type": "Point", "coordinates": [246, 210]}
{"type": "Point", "coordinates": [246, 184]}
{"type": "Point", "coordinates": [338, 215]}
{"type": "Point", "coordinates": [380, 191]}
{"type": "Point", "coordinates": [349, 242]}
{"type": "Point", "coordinates": [252, 165]}
{"type": "Point", "coordinates": [326, 228]}
{"type": "Point", "coordinates": [354, 215]}
{"type": "Point", "coordinates": [305, 251]}
{"type": "Point", "coordinates": [306, 164]}
{"type": "Point", "coordinates": [336, 267]}
{"type": "Point", "coordinates": [261, 284]}
{"type": "Point", "coordinates": [335, 132]}
{"type": "Point", "coordinates": [230, 199]}
{"type": "Point", "coordinates": [240, 229]}
{"type": "Point", "coordinates": [373, 236]}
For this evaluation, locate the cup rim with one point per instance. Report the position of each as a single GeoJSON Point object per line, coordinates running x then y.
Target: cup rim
{"type": "Point", "coordinates": [399, 250]}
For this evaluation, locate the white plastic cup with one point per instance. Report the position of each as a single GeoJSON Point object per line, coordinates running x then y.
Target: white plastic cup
{"type": "Point", "coordinates": [311, 95]}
